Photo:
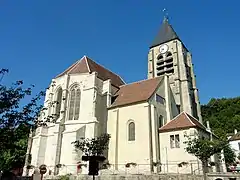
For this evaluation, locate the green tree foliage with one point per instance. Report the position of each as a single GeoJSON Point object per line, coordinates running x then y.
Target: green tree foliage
{"type": "Point", "coordinates": [229, 155]}
{"type": "Point", "coordinates": [238, 156]}
{"type": "Point", "coordinates": [222, 114]}
{"type": "Point", "coordinates": [203, 149]}
{"type": "Point", "coordinates": [93, 147]}
{"type": "Point", "coordinates": [16, 119]}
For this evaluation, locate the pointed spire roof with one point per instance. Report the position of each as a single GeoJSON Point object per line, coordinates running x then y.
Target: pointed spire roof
{"type": "Point", "coordinates": [165, 34]}
{"type": "Point", "coordinates": [87, 65]}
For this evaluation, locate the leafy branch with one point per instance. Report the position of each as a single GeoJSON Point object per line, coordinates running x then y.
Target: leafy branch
{"type": "Point", "coordinates": [203, 149]}
{"type": "Point", "coordinates": [93, 147]}
{"type": "Point", "coordinates": [20, 111]}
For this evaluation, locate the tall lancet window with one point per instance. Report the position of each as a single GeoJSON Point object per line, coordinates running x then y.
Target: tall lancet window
{"type": "Point", "coordinates": [160, 121]}
{"type": "Point", "coordinates": [74, 103]}
{"type": "Point", "coordinates": [131, 131]}
{"type": "Point", "coordinates": [58, 102]}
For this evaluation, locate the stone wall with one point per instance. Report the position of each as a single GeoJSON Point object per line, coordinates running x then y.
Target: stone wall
{"type": "Point", "coordinates": [137, 177]}
{"type": "Point", "coordinates": [153, 177]}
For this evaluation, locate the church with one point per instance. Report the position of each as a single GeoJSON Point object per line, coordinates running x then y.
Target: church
{"type": "Point", "coordinates": [148, 120]}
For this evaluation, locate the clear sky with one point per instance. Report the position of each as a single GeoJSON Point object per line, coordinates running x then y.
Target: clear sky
{"type": "Point", "coordinates": [40, 38]}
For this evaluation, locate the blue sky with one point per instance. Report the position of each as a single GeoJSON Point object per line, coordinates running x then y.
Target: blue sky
{"type": "Point", "coordinates": [40, 38]}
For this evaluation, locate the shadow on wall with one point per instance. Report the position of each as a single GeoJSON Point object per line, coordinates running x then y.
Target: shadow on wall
{"type": "Point", "coordinates": [229, 179]}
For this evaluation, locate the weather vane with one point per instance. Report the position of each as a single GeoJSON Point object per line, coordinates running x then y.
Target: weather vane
{"type": "Point", "coordinates": [165, 14]}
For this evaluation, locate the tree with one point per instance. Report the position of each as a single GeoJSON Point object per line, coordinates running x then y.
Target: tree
{"type": "Point", "coordinates": [203, 149]}
{"type": "Point", "coordinates": [238, 157]}
{"type": "Point", "coordinates": [93, 151]}
{"type": "Point", "coordinates": [19, 112]}
{"type": "Point", "coordinates": [93, 147]}
{"type": "Point", "coordinates": [223, 115]}
{"type": "Point", "coordinates": [229, 155]}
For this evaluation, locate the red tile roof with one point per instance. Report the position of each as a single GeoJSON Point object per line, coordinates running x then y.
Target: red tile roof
{"type": "Point", "coordinates": [182, 121]}
{"type": "Point", "coordinates": [136, 92]}
{"type": "Point", "coordinates": [86, 65]}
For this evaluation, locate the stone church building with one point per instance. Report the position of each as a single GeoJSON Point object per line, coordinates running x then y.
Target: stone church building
{"type": "Point", "coordinates": [147, 120]}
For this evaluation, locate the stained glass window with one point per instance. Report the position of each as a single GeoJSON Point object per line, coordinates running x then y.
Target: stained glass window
{"type": "Point", "coordinates": [74, 103]}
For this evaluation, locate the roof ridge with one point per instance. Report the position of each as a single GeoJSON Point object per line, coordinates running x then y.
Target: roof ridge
{"type": "Point", "coordinates": [195, 119]}
{"type": "Point", "coordinates": [69, 68]}
{"type": "Point", "coordinates": [87, 65]}
{"type": "Point", "coordinates": [189, 118]}
{"type": "Point", "coordinates": [172, 120]}
{"type": "Point", "coordinates": [157, 87]}
{"type": "Point", "coordinates": [88, 58]}
{"type": "Point", "coordinates": [85, 57]}
{"type": "Point", "coordinates": [74, 65]}
{"type": "Point", "coordinates": [139, 81]}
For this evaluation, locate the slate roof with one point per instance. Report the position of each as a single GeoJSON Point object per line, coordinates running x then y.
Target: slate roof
{"type": "Point", "coordinates": [135, 92]}
{"type": "Point", "coordinates": [182, 121]}
{"type": "Point", "coordinates": [165, 34]}
{"type": "Point", "coordinates": [87, 65]}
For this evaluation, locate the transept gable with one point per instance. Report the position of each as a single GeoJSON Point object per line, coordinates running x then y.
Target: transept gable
{"type": "Point", "coordinates": [87, 65]}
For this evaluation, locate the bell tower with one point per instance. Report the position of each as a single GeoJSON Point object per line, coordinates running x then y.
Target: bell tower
{"type": "Point", "coordinates": [169, 57]}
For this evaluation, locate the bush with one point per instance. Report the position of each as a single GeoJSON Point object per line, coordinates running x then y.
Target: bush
{"type": "Point", "coordinates": [65, 177]}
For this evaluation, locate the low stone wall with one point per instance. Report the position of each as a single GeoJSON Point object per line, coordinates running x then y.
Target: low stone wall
{"type": "Point", "coordinates": [153, 177]}
{"type": "Point", "coordinates": [222, 176]}
{"type": "Point", "coordinates": [137, 177]}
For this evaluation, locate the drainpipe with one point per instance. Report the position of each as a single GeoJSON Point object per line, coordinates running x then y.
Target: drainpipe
{"type": "Point", "coordinates": [150, 137]}
{"type": "Point", "coordinates": [158, 150]}
{"type": "Point", "coordinates": [166, 150]}
{"type": "Point", "coordinates": [212, 158]}
{"type": "Point", "coordinates": [116, 148]}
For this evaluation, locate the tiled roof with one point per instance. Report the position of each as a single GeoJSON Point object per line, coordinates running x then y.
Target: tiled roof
{"type": "Point", "coordinates": [136, 92]}
{"type": "Point", "coordinates": [235, 137]}
{"type": "Point", "coordinates": [182, 121]}
{"type": "Point", "coordinates": [86, 65]}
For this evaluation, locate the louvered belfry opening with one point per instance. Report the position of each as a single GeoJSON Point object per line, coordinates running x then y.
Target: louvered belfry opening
{"type": "Point", "coordinates": [165, 64]}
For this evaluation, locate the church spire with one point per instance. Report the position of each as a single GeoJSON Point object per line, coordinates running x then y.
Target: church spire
{"type": "Point", "coordinates": [165, 34]}
{"type": "Point", "coordinates": [165, 18]}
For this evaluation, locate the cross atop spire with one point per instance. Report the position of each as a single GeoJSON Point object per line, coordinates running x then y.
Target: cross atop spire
{"type": "Point", "coordinates": [165, 14]}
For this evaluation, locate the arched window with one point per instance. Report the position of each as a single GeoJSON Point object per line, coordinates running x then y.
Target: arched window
{"type": "Point", "coordinates": [74, 103]}
{"type": "Point", "coordinates": [131, 131]}
{"type": "Point", "coordinates": [160, 57]}
{"type": "Point", "coordinates": [59, 102]}
{"type": "Point", "coordinates": [169, 54]}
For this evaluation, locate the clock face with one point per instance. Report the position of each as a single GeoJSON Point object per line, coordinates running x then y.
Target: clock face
{"type": "Point", "coordinates": [163, 49]}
